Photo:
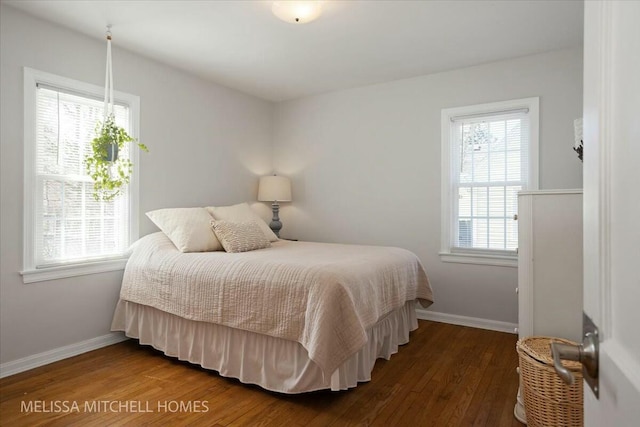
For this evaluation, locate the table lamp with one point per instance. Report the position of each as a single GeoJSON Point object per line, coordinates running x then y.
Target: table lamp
{"type": "Point", "coordinates": [274, 189]}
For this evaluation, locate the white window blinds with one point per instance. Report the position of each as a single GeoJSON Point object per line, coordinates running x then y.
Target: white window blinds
{"type": "Point", "coordinates": [490, 164]}
{"type": "Point", "coordinates": [70, 226]}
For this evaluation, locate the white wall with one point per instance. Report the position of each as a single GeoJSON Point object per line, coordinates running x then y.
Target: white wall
{"type": "Point", "coordinates": [365, 165]}
{"type": "Point", "coordinates": [208, 145]}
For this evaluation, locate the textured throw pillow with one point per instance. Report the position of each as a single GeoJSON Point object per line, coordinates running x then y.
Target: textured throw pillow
{"type": "Point", "coordinates": [188, 228]}
{"type": "Point", "coordinates": [239, 236]}
{"type": "Point", "coordinates": [242, 213]}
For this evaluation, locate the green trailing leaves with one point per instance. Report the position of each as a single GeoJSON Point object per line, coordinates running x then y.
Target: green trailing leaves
{"type": "Point", "coordinates": [109, 176]}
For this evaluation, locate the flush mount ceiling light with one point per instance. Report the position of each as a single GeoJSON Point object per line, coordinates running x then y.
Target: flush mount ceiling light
{"type": "Point", "coordinates": [297, 12]}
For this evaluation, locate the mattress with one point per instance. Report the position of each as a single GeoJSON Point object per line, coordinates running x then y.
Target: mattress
{"type": "Point", "coordinates": [326, 297]}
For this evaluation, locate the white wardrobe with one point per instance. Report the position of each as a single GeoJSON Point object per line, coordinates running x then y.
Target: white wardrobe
{"type": "Point", "coordinates": [550, 263]}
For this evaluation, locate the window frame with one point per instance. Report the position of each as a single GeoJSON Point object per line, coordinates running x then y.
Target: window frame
{"type": "Point", "coordinates": [30, 273]}
{"type": "Point", "coordinates": [476, 255]}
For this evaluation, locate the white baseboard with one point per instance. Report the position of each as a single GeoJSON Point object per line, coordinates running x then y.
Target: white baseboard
{"type": "Point", "coordinates": [40, 359]}
{"type": "Point", "coordinates": [474, 322]}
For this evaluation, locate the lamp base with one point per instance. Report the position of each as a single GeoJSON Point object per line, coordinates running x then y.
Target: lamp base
{"type": "Point", "coordinates": [275, 223]}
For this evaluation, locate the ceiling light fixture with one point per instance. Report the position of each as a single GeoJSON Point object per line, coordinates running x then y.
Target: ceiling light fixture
{"type": "Point", "coordinates": [297, 12]}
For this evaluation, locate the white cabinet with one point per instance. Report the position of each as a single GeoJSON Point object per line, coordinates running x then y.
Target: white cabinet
{"type": "Point", "coordinates": [549, 267]}
{"type": "Point", "coordinates": [550, 263]}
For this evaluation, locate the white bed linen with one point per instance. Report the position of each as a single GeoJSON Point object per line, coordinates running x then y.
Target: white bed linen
{"type": "Point", "coordinates": [272, 363]}
{"type": "Point", "coordinates": [323, 296]}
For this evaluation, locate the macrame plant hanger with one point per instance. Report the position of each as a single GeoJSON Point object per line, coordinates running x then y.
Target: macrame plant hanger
{"type": "Point", "coordinates": [112, 149]}
{"type": "Point", "coordinates": [108, 80]}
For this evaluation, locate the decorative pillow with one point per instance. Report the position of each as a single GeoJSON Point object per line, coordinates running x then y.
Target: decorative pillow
{"type": "Point", "coordinates": [242, 213]}
{"type": "Point", "coordinates": [188, 228]}
{"type": "Point", "coordinates": [240, 236]}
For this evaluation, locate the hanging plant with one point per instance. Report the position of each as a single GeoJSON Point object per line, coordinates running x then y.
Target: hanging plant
{"type": "Point", "coordinates": [108, 171]}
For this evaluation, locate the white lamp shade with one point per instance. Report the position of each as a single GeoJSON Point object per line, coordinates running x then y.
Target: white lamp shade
{"type": "Point", "coordinates": [297, 12]}
{"type": "Point", "coordinates": [274, 189]}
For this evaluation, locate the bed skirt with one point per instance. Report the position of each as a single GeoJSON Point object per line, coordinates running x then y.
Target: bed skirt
{"type": "Point", "coordinates": [272, 363]}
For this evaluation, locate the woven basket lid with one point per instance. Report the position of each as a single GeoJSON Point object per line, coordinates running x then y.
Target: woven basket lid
{"type": "Point", "coordinates": [539, 348]}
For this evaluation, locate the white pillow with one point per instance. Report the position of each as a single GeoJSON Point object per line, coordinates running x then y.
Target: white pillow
{"type": "Point", "coordinates": [242, 213]}
{"type": "Point", "coordinates": [240, 236]}
{"type": "Point", "coordinates": [188, 228]}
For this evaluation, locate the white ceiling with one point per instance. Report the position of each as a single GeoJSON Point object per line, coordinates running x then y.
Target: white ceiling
{"type": "Point", "coordinates": [240, 44]}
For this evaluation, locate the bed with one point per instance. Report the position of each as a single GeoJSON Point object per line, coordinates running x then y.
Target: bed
{"type": "Point", "coordinates": [294, 317]}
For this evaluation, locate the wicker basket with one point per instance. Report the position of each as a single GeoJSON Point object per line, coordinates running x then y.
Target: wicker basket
{"type": "Point", "coordinates": [548, 401]}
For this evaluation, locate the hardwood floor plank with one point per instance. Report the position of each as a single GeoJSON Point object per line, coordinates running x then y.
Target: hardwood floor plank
{"type": "Point", "coordinates": [445, 381]}
{"type": "Point", "coordinates": [458, 408]}
{"type": "Point", "coordinates": [447, 375]}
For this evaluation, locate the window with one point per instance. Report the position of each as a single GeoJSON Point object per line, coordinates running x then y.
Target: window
{"type": "Point", "coordinates": [489, 154]}
{"type": "Point", "coordinates": [66, 231]}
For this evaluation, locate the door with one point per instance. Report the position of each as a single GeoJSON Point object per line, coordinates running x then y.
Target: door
{"type": "Point", "coordinates": [612, 206]}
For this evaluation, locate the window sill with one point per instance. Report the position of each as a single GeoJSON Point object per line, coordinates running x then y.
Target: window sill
{"type": "Point", "coordinates": [72, 270]}
{"type": "Point", "coordinates": [480, 259]}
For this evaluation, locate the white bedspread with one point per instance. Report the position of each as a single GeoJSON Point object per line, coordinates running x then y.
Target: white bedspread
{"type": "Point", "coordinates": [324, 296]}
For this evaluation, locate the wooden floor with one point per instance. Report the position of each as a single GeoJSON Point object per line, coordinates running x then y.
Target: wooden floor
{"type": "Point", "coordinates": [446, 376]}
